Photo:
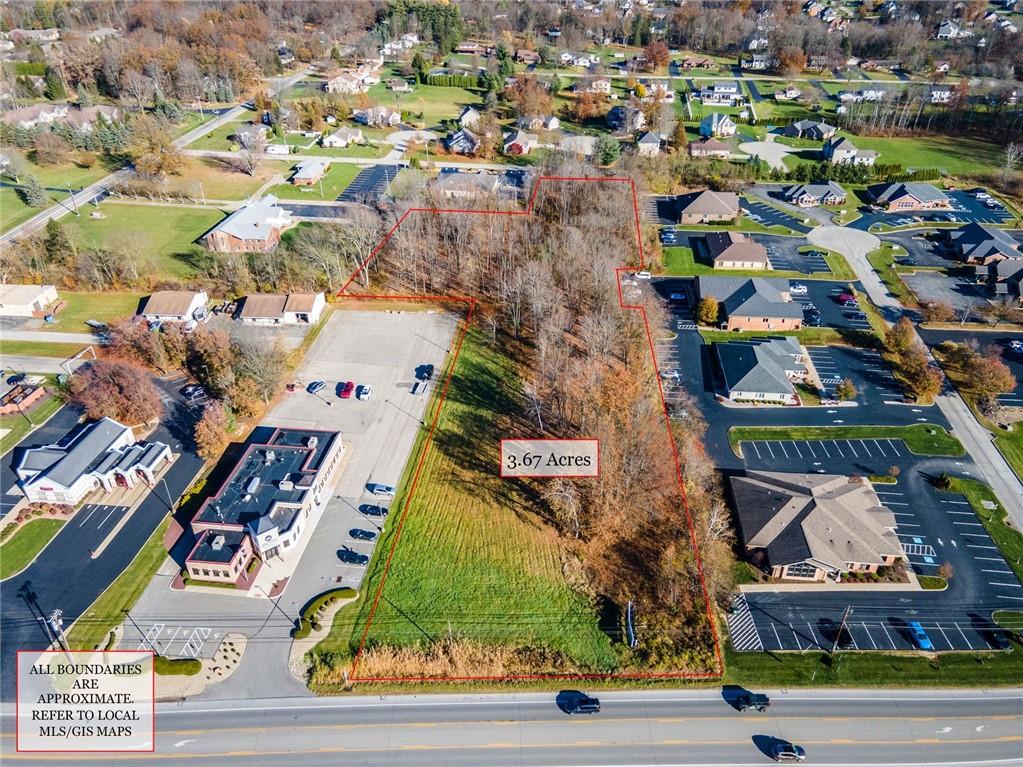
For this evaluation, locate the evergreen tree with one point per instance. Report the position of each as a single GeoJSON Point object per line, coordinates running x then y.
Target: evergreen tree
{"type": "Point", "coordinates": [55, 90]}
{"type": "Point", "coordinates": [32, 193]}
{"type": "Point", "coordinates": [83, 96]}
{"type": "Point", "coordinates": [606, 149]}
{"type": "Point", "coordinates": [59, 246]}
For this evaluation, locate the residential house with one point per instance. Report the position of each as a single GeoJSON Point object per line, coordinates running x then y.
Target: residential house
{"type": "Point", "coordinates": [309, 172]}
{"type": "Point", "coordinates": [31, 116]}
{"type": "Point", "coordinates": [948, 30]}
{"type": "Point", "coordinates": [813, 194]}
{"type": "Point", "coordinates": [788, 93]}
{"type": "Point", "coordinates": [104, 455]}
{"type": "Point", "coordinates": [285, 55]}
{"type": "Point", "coordinates": [658, 92]}
{"type": "Point", "coordinates": [278, 149]}
{"type": "Point", "coordinates": [538, 122]}
{"type": "Point", "coordinates": [942, 67]}
{"type": "Point", "coordinates": [753, 303]}
{"type": "Point", "coordinates": [734, 250]}
{"type": "Point", "coordinates": [717, 124]}
{"type": "Point", "coordinates": [253, 228]}
{"type": "Point", "coordinates": [527, 56]}
{"type": "Point", "coordinates": [250, 135]}
{"type": "Point", "coordinates": [378, 117]}
{"type": "Point", "coordinates": [35, 36]}
{"type": "Point", "coordinates": [940, 94]}
{"type": "Point", "coordinates": [26, 300]}
{"type": "Point", "coordinates": [762, 370]}
{"type": "Point", "coordinates": [708, 207]}
{"type": "Point", "coordinates": [462, 142]}
{"type": "Point", "coordinates": [626, 119]}
{"type": "Point", "coordinates": [472, 48]}
{"type": "Point", "coordinates": [649, 144]}
{"type": "Point", "coordinates": [598, 85]}
{"type": "Point", "coordinates": [281, 309]}
{"type": "Point", "coordinates": [175, 306]}
{"type": "Point", "coordinates": [342, 137]}
{"type": "Point", "coordinates": [265, 505]}
{"type": "Point", "coordinates": [725, 93]}
{"type": "Point", "coordinates": [469, 117]}
{"type": "Point", "coordinates": [709, 147]}
{"type": "Point", "coordinates": [399, 85]}
{"type": "Point", "coordinates": [810, 129]}
{"type": "Point", "coordinates": [520, 142]}
{"type": "Point", "coordinates": [908, 195]}
{"type": "Point", "coordinates": [813, 527]}
{"type": "Point", "coordinates": [841, 151]}
{"type": "Point", "coordinates": [758, 62]}
{"type": "Point", "coordinates": [459, 185]}
{"type": "Point", "coordinates": [346, 83]}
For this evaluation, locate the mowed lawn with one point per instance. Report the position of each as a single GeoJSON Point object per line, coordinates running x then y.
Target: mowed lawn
{"type": "Point", "coordinates": [79, 307]}
{"type": "Point", "coordinates": [18, 551]}
{"type": "Point", "coordinates": [951, 154]}
{"type": "Point", "coordinates": [435, 102]}
{"type": "Point", "coordinates": [337, 178]}
{"type": "Point", "coordinates": [470, 560]}
{"type": "Point", "coordinates": [163, 236]}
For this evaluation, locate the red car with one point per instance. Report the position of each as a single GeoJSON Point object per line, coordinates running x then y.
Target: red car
{"type": "Point", "coordinates": [344, 390]}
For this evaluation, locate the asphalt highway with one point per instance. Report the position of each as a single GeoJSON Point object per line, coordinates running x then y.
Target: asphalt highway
{"type": "Point", "coordinates": [679, 727]}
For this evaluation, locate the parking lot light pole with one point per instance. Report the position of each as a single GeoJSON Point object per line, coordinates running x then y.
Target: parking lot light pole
{"type": "Point", "coordinates": [841, 628]}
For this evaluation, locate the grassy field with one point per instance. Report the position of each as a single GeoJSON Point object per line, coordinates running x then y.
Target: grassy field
{"type": "Point", "coordinates": [91, 629]}
{"type": "Point", "coordinates": [806, 336]}
{"type": "Point", "coordinates": [17, 426]}
{"type": "Point", "coordinates": [338, 176]}
{"type": "Point", "coordinates": [873, 669]}
{"type": "Point", "coordinates": [883, 262]}
{"type": "Point", "coordinates": [41, 349]}
{"type": "Point", "coordinates": [18, 551]}
{"type": "Point", "coordinates": [369, 151]}
{"type": "Point", "coordinates": [471, 562]}
{"type": "Point", "coordinates": [952, 155]}
{"type": "Point", "coordinates": [163, 237]}
{"type": "Point", "coordinates": [220, 182]}
{"type": "Point", "coordinates": [434, 102]}
{"type": "Point", "coordinates": [995, 521]}
{"type": "Point", "coordinates": [218, 137]}
{"type": "Point", "coordinates": [922, 439]}
{"type": "Point", "coordinates": [80, 307]}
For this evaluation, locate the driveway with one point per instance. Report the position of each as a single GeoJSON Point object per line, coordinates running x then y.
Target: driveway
{"type": "Point", "coordinates": [855, 245]}
{"type": "Point", "coordinates": [955, 290]}
{"type": "Point", "coordinates": [381, 349]}
{"type": "Point", "coordinates": [768, 151]}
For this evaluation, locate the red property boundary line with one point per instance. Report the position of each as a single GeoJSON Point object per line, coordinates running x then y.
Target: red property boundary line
{"type": "Point", "coordinates": [471, 304]}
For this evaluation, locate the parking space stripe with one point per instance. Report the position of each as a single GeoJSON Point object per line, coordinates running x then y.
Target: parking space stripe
{"type": "Point", "coordinates": [1010, 585]}
{"type": "Point", "coordinates": [851, 448]}
{"type": "Point", "coordinates": [1006, 596]}
{"type": "Point", "coordinates": [824, 448]}
{"type": "Point", "coordinates": [795, 636]}
{"type": "Point", "coordinates": [782, 446]}
{"type": "Point", "coordinates": [894, 447]}
{"type": "Point", "coordinates": [795, 446]}
{"type": "Point", "coordinates": [869, 636]}
{"type": "Point", "coordinates": [938, 626]}
{"type": "Point", "coordinates": [978, 546]}
{"type": "Point", "coordinates": [768, 446]}
{"type": "Point", "coordinates": [839, 449]}
{"type": "Point", "coordinates": [810, 448]}
{"type": "Point", "coordinates": [885, 629]}
{"type": "Point", "coordinates": [1002, 572]}
{"type": "Point", "coordinates": [863, 446]}
{"type": "Point", "coordinates": [754, 444]}
{"type": "Point", "coordinates": [883, 453]}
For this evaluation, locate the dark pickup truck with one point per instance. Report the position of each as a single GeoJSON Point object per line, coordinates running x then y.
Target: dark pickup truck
{"type": "Point", "coordinates": [752, 700]}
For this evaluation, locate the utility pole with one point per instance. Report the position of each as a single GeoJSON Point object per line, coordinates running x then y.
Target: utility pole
{"type": "Point", "coordinates": [56, 621]}
{"type": "Point", "coordinates": [145, 637]}
{"type": "Point", "coordinates": [74, 202]}
{"type": "Point", "coordinates": [841, 628]}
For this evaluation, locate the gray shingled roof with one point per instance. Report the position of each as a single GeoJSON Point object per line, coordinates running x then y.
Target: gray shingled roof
{"type": "Point", "coordinates": [922, 192]}
{"type": "Point", "coordinates": [759, 365]}
{"type": "Point", "coordinates": [818, 190]}
{"type": "Point", "coordinates": [978, 242]}
{"type": "Point", "coordinates": [252, 221]}
{"type": "Point", "coordinates": [751, 296]}
{"type": "Point", "coordinates": [88, 449]}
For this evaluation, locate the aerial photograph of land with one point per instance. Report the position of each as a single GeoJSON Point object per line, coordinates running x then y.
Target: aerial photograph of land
{"type": "Point", "coordinates": [556, 383]}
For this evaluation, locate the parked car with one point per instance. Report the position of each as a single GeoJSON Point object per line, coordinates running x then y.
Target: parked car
{"type": "Point", "coordinates": [1016, 346]}
{"type": "Point", "coordinates": [814, 321]}
{"type": "Point", "coordinates": [351, 557]}
{"type": "Point", "coordinates": [669, 237]}
{"type": "Point", "coordinates": [754, 700]}
{"type": "Point", "coordinates": [363, 391]}
{"type": "Point", "coordinates": [96, 324]}
{"type": "Point", "coordinates": [920, 636]}
{"type": "Point", "coordinates": [345, 389]}
{"type": "Point", "coordinates": [797, 289]}
{"type": "Point", "coordinates": [316, 387]}
{"type": "Point", "coordinates": [783, 751]}
{"type": "Point", "coordinates": [372, 510]}
{"type": "Point", "coordinates": [420, 387]}
{"type": "Point", "coordinates": [384, 491]}
{"type": "Point", "coordinates": [583, 704]}
{"type": "Point", "coordinates": [424, 373]}
{"type": "Point", "coordinates": [680, 297]}
{"type": "Point", "coordinates": [362, 535]}
{"type": "Point", "coordinates": [193, 392]}
{"type": "Point", "coordinates": [644, 275]}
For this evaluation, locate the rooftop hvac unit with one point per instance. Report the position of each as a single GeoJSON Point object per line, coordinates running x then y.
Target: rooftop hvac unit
{"type": "Point", "coordinates": [218, 543]}
{"type": "Point", "coordinates": [252, 486]}
{"type": "Point", "coordinates": [311, 441]}
{"type": "Point", "coordinates": [269, 457]}
{"type": "Point", "coordinates": [286, 484]}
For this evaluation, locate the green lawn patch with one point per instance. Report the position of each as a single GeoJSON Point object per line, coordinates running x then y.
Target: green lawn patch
{"type": "Point", "coordinates": [806, 336]}
{"type": "Point", "coordinates": [337, 178]}
{"type": "Point", "coordinates": [18, 426]}
{"type": "Point", "coordinates": [177, 666]}
{"type": "Point", "coordinates": [1006, 538]}
{"type": "Point", "coordinates": [41, 349]}
{"type": "Point", "coordinates": [79, 307]}
{"type": "Point", "coordinates": [873, 669]}
{"type": "Point", "coordinates": [507, 564]}
{"type": "Point", "coordinates": [680, 260]}
{"type": "Point", "coordinates": [1010, 445]}
{"type": "Point", "coordinates": [24, 545]}
{"type": "Point", "coordinates": [434, 102]}
{"type": "Point", "coordinates": [163, 237]}
{"type": "Point", "coordinates": [952, 154]}
{"type": "Point", "coordinates": [932, 582]}
{"type": "Point", "coordinates": [920, 438]}
{"type": "Point", "coordinates": [108, 609]}
{"type": "Point", "coordinates": [883, 262]}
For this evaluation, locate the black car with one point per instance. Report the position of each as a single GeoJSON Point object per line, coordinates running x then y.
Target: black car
{"type": "Point", "coordinates": [584, 704]}
{"type": "Point", "coordinates": [362, 535]}
{"type": "Point", "coordinates": [814, 321]}
{"type": "Point", "coordinates": [351, 557]}
{"type": "Point", "coordinates": [17, 378]}
{"type": "Point", "coordinates": [372, 510]}
{"type": "Point", "coordinates": [424, 372]}
{"type": "Point", "coordinates": [752, 700]}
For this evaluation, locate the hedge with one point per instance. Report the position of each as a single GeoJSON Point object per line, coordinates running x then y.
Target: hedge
{"type": "Point", "coordinates": [307, 620]}
{"type": "Point", "coordinates": [177, 666]}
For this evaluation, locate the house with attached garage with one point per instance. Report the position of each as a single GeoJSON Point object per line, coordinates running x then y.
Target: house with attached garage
{"type": "Point", "coordinates": [816, 193]}
{"type": "Point", "coordinates": [463, 141]}
{"type": "Point", "coordinates": [102, 456]}
{"type": "Point", "coordinates": [174, 306]}
{"type": "Point", "coordinates": [649, 144]}
{"type": "Point", "coordinates": [308, 172]}
{"type": "Point", "coordinates": [810, 129]}
{"type": "Point", "coordinates": [708, 207]}
{"type": "Point", "coordinates": [281, 309]}
{"type": "Point", "coordinates": [752, 303]}
{"type": "Point", "coordinates": [762, 370]}
{"type": "Point", "coordinates": [841, 151]}
{"type": "Point", "coordinates": [908, 195]}
{"type": "Point", "coordinates": [342, 137]}
{"type": "Point", "coordinates": [469, 117]}
{"type": "Point", "coordinates": [709, 147]}
{"type": "Point", "coordinates": [734, 250]}
{"type": "Point", "coordinates": [716, 124]}
{"type": "Point", "coordinates": [721, 93]}
{"type": "Point", "coordinates": [520, 142]}
{"type": "Point", "coordinates": [625, 119]}
{"type": "Point", "coordinates": [26, 300]}
{"type": "Point", "coordinates": [813, 527]}
{"type": "Point", "coordinates": [253, 228]}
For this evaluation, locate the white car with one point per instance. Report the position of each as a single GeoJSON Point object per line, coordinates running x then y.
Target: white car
{"type": "Point", "coordinates": [363, 391]}
{"type": "Point", "coordinates": [643, 275]}
{"type": "Point", "coordinates": [1016, 346]}
{"type": "Point", "coordinates": [798, 290]}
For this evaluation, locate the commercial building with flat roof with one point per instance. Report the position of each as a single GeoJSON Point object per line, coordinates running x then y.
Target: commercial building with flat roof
{"type": "Point", "coordinates": [266, 501]}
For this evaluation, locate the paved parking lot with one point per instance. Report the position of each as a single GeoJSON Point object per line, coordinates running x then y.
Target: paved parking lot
{"type": "Point", "coordinates": [784, 254]}
{"type": "Point", "coordinates": [767, 215]}
{"type": "Point", "coordinates": [965, 208]}
{"type": "Point", "coordinates": [824, 295]}
{"type": "Point", "coordinates": [996, 338]}
{"type": "Point", "coordinates": [818, 454]}
{"type": "Point", "coordinates": [957, 291]}
{"type": "Point", "coordinates": [870, 374]}
{"type": "Point", "coordinates": [921, 249]}
{"type": "Point", "coordinates": [370, 184]}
